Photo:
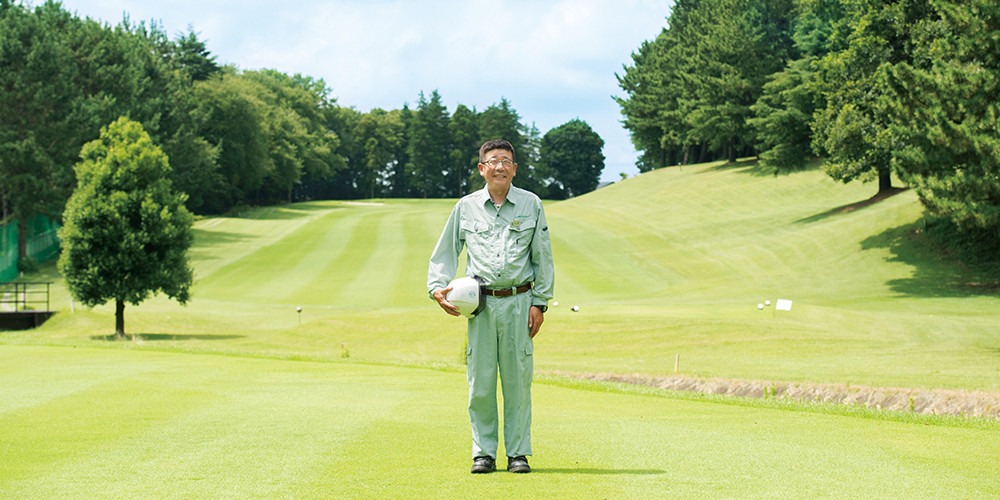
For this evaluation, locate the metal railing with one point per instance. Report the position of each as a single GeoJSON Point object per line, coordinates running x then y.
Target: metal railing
{"type": "Point", "coordinates": [21, 294]}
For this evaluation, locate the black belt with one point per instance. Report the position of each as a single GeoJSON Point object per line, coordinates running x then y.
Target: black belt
{"type": "Point", "coordinates": [507, 292]}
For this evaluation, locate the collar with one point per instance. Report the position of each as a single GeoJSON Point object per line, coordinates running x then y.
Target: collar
{"type": "Point", "coordinates": [483, 195]}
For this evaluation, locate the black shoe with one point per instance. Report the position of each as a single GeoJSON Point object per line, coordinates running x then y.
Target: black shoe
{"type": "Point", "coordinates": [483, 465]}
{"type": "Point", "coordinates": [518, 464]}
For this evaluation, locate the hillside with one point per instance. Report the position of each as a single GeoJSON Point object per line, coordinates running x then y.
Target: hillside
{"type": "Point", "coordinates": [672, 262]}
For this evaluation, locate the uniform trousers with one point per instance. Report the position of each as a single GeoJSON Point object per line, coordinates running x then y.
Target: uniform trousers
{"type": "Point", "coordinates": [498, 338]}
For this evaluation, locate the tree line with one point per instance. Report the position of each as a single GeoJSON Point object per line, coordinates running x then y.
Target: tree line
{"type": "Point", "coordinates": [240, 137]}
{"type": "Point", "coordinates": [875, 88]}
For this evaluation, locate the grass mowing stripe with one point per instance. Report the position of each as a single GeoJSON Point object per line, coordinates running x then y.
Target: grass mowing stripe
{"type": "Point", "coordinates": [378, 273]}
{"type": "Point", "coordinates": [331, 283]}
{"type": "Point", "coordinates": [274, 261]}
{"type": "Point", "coordinates": [283, 428]}
{"type": "Point", "coordinates": [872, 304]}
{"type": "Point", "coordinates": [234, 239]}
{"type": "Point", "coordinates": [418, 238]}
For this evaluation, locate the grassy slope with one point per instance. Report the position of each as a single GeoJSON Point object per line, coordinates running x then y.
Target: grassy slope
{"type": "Point", "coordinates": [670, 262]}
{"type": "Point", "coordinates": [703, 245]}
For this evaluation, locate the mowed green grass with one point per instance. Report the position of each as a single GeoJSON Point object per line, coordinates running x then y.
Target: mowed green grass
{"type": "Point", "coordinates": [363, 393]}
{"type": "Point", "coordinates": [137, 423]}
{"type": "Point", "coordinates": [672, 262]}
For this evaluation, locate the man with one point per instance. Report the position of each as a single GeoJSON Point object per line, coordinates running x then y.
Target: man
{"type": "Point", "coordinates": [504, 229]}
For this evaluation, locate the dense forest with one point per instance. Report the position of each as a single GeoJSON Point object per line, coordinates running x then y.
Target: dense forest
{"type": "Point", "coordinates": [877, 89]}
{"type": "Point", "coordinates": [236, 138]}
{"type": "Point", "coordinates": [870, 89]}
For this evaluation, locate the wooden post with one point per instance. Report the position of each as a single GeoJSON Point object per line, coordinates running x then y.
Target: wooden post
{"type": "Point", "coordinates": [677, 362]}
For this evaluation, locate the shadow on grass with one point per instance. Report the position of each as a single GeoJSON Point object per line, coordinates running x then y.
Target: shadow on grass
{"type": "Point", "coordinates": [850, 207]}
{"type": "Point", "coordinates": [936, 272]}
{"type": "Point", "coordinates": [210, 237]}
{"type": "Point", "coordinates": [744, 165]}
{"type": "Point", "coordinates": [598, 472]}
{"type": "Point", "coordinates": [287, 212]}
{"type": "Point", "coordinates": [160, 337]}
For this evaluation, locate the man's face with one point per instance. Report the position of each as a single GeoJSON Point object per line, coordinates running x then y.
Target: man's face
{"type": "Point", "coordinates": [498, 168]}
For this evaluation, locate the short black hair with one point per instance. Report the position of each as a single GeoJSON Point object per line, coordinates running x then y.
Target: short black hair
{"type": "Point", "coordinates": [495, 144]}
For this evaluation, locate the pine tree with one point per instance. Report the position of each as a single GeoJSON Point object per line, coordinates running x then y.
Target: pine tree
{"type": "Point", "coordinates": [944, 114]}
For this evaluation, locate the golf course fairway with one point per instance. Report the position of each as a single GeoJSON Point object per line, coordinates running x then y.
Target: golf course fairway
{"type": "Point", "coordinates": [310, 363]}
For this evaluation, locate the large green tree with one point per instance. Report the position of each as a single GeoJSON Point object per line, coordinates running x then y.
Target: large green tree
{"type": "Point", "coordinates": [653, 107]}
{"type": "Point", "coordinates": [234, 114]}
{"type": "Point", "coordinates": [573, 155]}
{"type": "Point", "coordinates": [944, 116]}
{"type": "Point", "coordinates": [738, 45]}
{"type": "Point", "coordinates": [464, 154]}
{"type": "Point", "coordinates": [126, 231]}
{"type": "Point", "coordinates": [298, 140]}
{"type": "Point", "coordinates": [689, 91]}
{"type": "Point", "coordinates": [193, 56]}
{"type": "Point", "coordinates": [40, 128]}
{"type": "Point", "coordinates": [379, 135]}
{"type": "Point", "coordinates": [853, 130]}
{"type": "Point", "coordinates": [429, 148]}
{"type": "Point", "coordinates": [783, 115]}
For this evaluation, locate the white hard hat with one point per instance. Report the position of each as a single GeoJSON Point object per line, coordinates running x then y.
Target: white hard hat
{"type": "Point", "coordinates": [464, 294]}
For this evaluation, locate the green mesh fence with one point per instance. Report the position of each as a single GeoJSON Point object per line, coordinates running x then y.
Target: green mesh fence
{"type": "Point", "coordinates": [42, 244]}
{"type": "Point", "coordinates": [8, 252]}
{"type": "Point", "coordinates": [43, 239]}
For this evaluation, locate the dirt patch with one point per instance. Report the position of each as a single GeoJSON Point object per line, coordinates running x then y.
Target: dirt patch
{"type": "Point", "coordinates": [926, 401]}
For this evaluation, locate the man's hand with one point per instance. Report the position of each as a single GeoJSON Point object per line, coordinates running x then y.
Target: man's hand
{"type": "Point", "coordinates": [535, 319]}
{"type": "Point", "coordinates": [441, 296]}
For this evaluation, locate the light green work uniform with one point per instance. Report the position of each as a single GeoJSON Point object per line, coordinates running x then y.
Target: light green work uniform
{"type": "Point", "coordinates": [507, 246]}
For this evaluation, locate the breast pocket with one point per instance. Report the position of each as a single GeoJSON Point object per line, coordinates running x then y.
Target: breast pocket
{"type": "Point", "coordinates": [476, 235]}
{"type": "Point", "coordinates": [520, 235]}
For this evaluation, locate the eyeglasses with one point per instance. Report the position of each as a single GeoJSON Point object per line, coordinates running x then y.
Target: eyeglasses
{"type": "Point", "coordinates": [494, 163]}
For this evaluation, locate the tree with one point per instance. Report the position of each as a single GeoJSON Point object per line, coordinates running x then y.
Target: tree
{"type": "Point", "coordinates": [234, 121]}
{"type": "Point", "coordinates": [501, 121]}
{"type": "Point", "coordinates": [655, 106]}
{"type": "Point", "coordinates": [693, 85]}
{"type": "Point", "coordinates": [40, 131]}
{"type": "Point", "coordinates": [297, 137]}
{"type": "Point", "coordinates": [379, 136]}
{"type": "Point", "coordinates": [782, 118]}
{"type": "Point", "coordinates": [464, 155]}
{"type": "Point", "coordinates": [126, 231]}
{"type": "Point", "coordinates": [853, 130]}
{"type": "Point", "coordinates": [943, 113]}
{"type": "Point", "coordinates": [572, 154]}
{"type": "Point", "coordinates": [739, 44]}
{"type": "Point", "coordinates": [783, 115]}
{"type": "Point", "coordinates": [429, 148]}
{"type": "Point", "coordinates": [193, 57]}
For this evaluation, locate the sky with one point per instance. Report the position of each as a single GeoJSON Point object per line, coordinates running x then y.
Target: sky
{"type": "Point", "coordinates": [553, 60]}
